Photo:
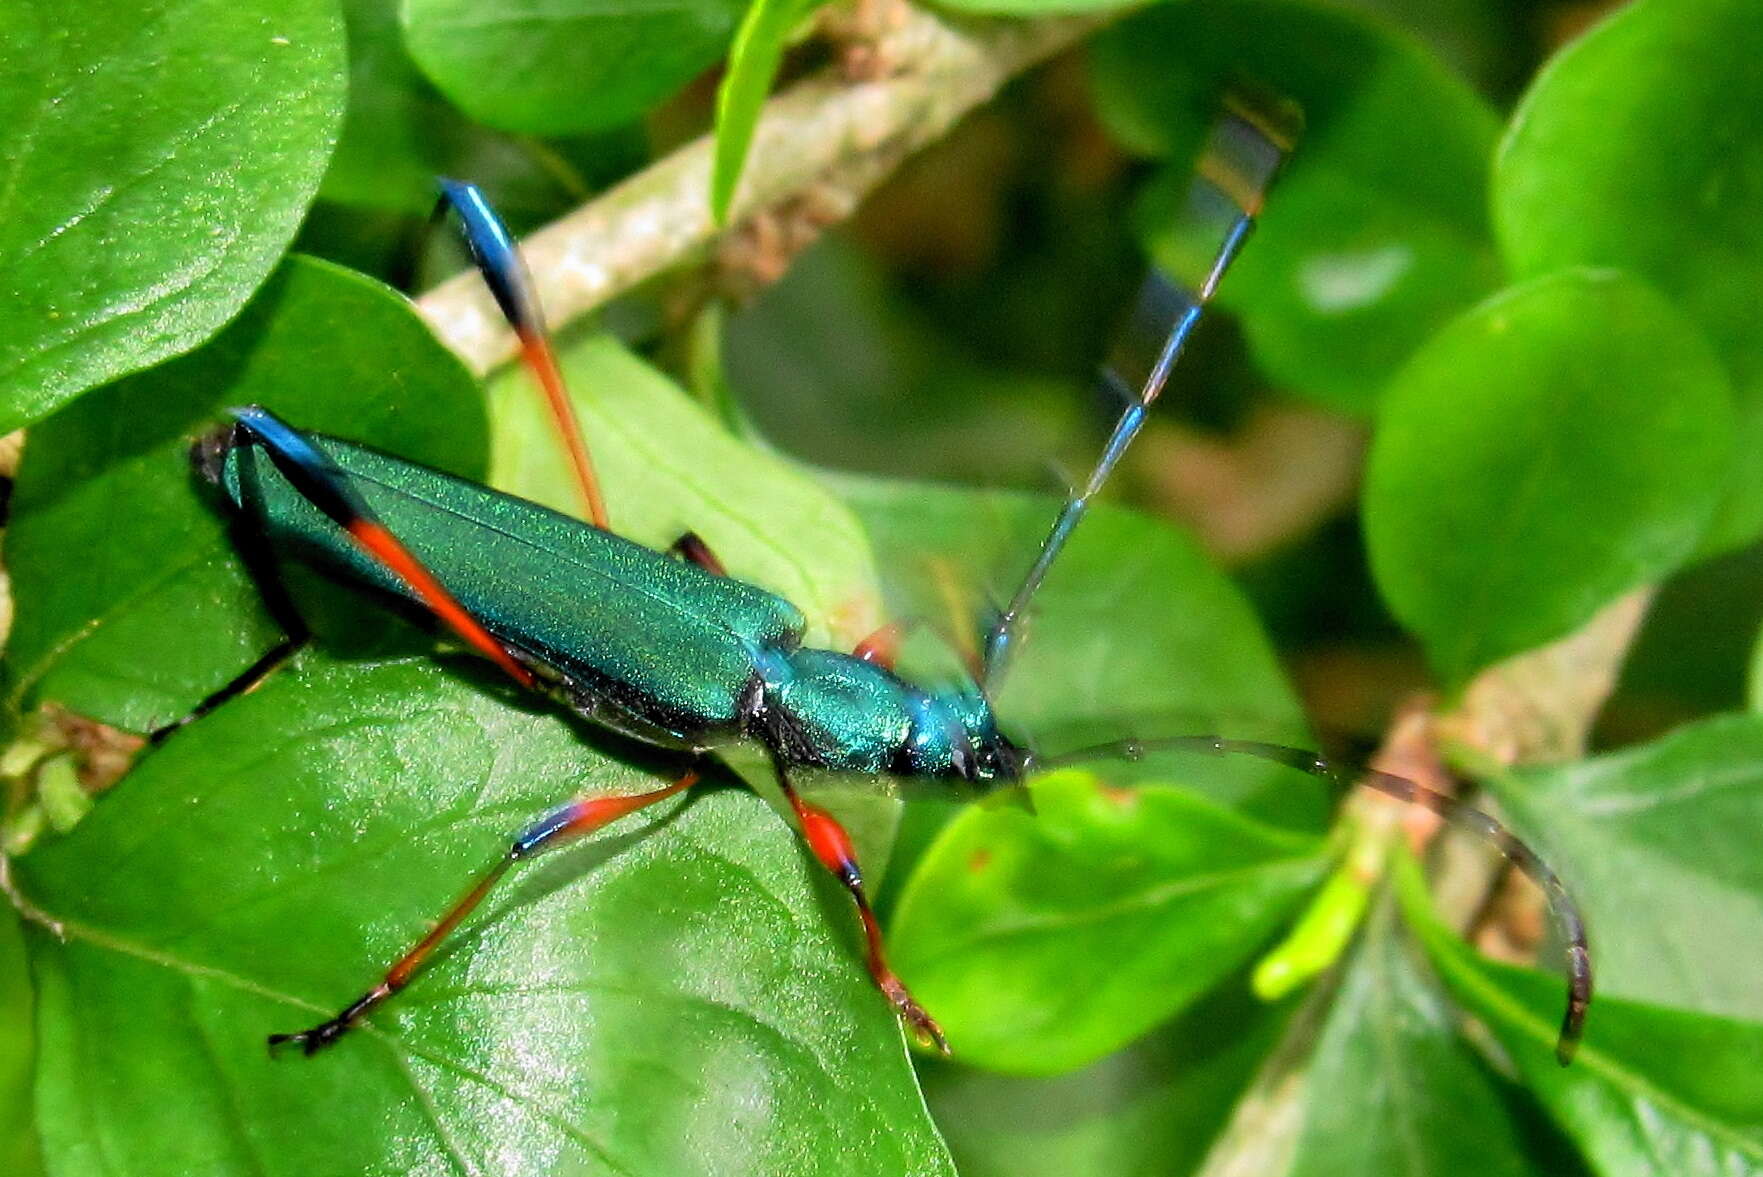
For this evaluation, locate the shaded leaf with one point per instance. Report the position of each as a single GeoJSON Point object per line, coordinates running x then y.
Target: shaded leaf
{"type": "Point", "coordinates": [752, 64]}
{"type": "Point", "coordinates": [1641, 146]}
{"type": "Point", "coordinates": [1026, 8]}
{"type": "Point", "coordinates": [1375, 232]}
{"type": "Point", "coordinates": [1151, 1110]}
{"type": "Point", "coordinates": [1391, 1089]}
{"type": "Point", "coordinates": [681, 995]}
{"type": "Point", "coordinates": [1654, 1092]}
{"type": "Point", "coordinates": [1658, 845]}
{"type": "Point", "coordinates": [551, 67]}
{"type": "Point", "coordinates": [910, 403]}
{"type": "Point", "coordinates": [138, 214]}
{"type": "Point", "coordinates": [132, 602]}
{"type": "Point", "coordinates": [1045, 942]}
{"type": "Point", "coordinates": [1560, 443]}
{"type": "Point", "coordinates": [399, 134]}
{"type": "Point", "coordinates": [18, 1127]}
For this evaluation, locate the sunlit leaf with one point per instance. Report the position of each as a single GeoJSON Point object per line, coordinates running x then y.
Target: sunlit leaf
{"type": "Point", "coordinates": [1654, 1092]}
{"type": "Point", "coordinates": [752, 63]}
{"type": "Point", "coordinates": [1044, 942]}
{"type": "Point", "coordinates": [680, 995]}
{"type": "Point", "coordinates": [160, 159]}
{"type": "Point", "coordinates": [667, 468]}
{"type": "Point", "coordinates": [132, 603]}
{"type": "Point", "coordinates": [1656, 844]}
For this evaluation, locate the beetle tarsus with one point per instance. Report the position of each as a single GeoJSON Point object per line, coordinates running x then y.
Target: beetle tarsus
{"type": "Point", "coordinates": [314, 1040]}
{"type": "Point", "coordinates": [918, 1021]}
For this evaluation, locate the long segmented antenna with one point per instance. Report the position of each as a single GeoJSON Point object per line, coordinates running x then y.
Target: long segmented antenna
{"type": "Point", "coordinates": [498, 259]}
{"type": "Point", "coordinates": [1241, 156]}
{"type": "Point", "coordinates": [1566, 911]}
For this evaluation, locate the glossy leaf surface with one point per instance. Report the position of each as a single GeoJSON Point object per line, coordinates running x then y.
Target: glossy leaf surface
{"type": "Point", "coordinates": [680, 995]}
{"type": "Point", "coordinates": [1044, 942]}
{"type": "Point", "coordinates": [1375, 233]}
{"type": "Point", "coordinates": [1560, 443]}
{"type": "Point", "coordinates": [132, 602]}
{"type": "Point", "coordinates": [138, 214]}
{"type": "Point", "coordinates": [1641, 147]}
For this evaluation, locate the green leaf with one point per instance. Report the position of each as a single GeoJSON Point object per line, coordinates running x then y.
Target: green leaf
{"type": "Point", "coordinates": [551, 67]}
{"type": "Point", "coordinates": [1654, 1092]}
{"type": "Point", "coordinates": [1560, 443]}
{"type": "Point", "coordinates": [132, 603]}
{"type": "Point", "coordinates": [911, 402]}
{"type": "Point", "coordinates": [18, 1127]}
{"type": "Point", "coordinates": [386, 156]}
{"type": "Point", "coordinates": [400, 133]}
{"type": "Point", "coordinates": [1391, 1089]}
{"type": "Point", "coordinates": [160, 161]}
{"type": "Point", "coordinates": [1374, 234]}
{"type": "Point", "coordinates": [1657, 844]}
{"type": "Point", "coordinates": [682, 995]}
{"type": "Point", "coordinates": [1135, 633]}
{"type": "Point", "coordinates": [667, 468]}
{"type": "Point", "coordinates": [1641, 147]}
{"type": "Point", "coordinates": [1151, 1110]}
{"type": "Point", "coordinates": [1044, 942]}
{"type": "Point", "coordinates": [752, 64]}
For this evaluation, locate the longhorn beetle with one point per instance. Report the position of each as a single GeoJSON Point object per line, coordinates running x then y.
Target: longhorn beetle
{"type": "Point", "coordinates": [665, 648]}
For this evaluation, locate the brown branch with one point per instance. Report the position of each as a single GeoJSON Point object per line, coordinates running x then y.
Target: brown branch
{"type": "Point", "coordinates": [826, 128]}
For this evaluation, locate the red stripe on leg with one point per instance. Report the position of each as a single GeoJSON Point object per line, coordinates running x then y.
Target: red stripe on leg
{"type": "Point", "coordinates": [535, 349]}
{"type": "Point", "coordinates": [881, 647]}
{"type": "Point", "coordinates": [590, 813]}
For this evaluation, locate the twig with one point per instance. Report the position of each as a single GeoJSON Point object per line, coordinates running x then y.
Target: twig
{"type": "Point", "coordinates": [1285, 471]}
{"type": "Point", "coordinates": [826, 126]}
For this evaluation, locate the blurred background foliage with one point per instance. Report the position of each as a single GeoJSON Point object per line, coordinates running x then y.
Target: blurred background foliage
{"type": "Point", "coordinates": [1490, 362]}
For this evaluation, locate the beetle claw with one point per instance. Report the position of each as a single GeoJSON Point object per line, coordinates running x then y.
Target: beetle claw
{"type": "Point", "coordinates": [314, 1040]}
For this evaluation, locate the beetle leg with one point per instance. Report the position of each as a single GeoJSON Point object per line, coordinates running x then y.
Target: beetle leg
{"type": "Point", "coordinates": [881, 647]}
{"type": "Point", "coordinates": [248, 680]}
{"type": "Point", "coordinates": [831, 846]}
{"type": "Point", "coordinates": [581, 816]}
{"type": "Point", "coordinates": [498, 260]}
{"type": "Point", "coordinates": [326, 487]}
{"type": "Point", "coordinates": [692, 547]}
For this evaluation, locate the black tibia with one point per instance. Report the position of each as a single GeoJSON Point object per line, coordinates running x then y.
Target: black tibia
{"type": "Point", "coordinates": [692, 547]}
{"type": "Point", "coordinates": [254, 552]}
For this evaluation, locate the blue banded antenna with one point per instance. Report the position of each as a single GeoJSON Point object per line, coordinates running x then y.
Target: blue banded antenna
{"type": "Point", "coordinates": [1242, 154]}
